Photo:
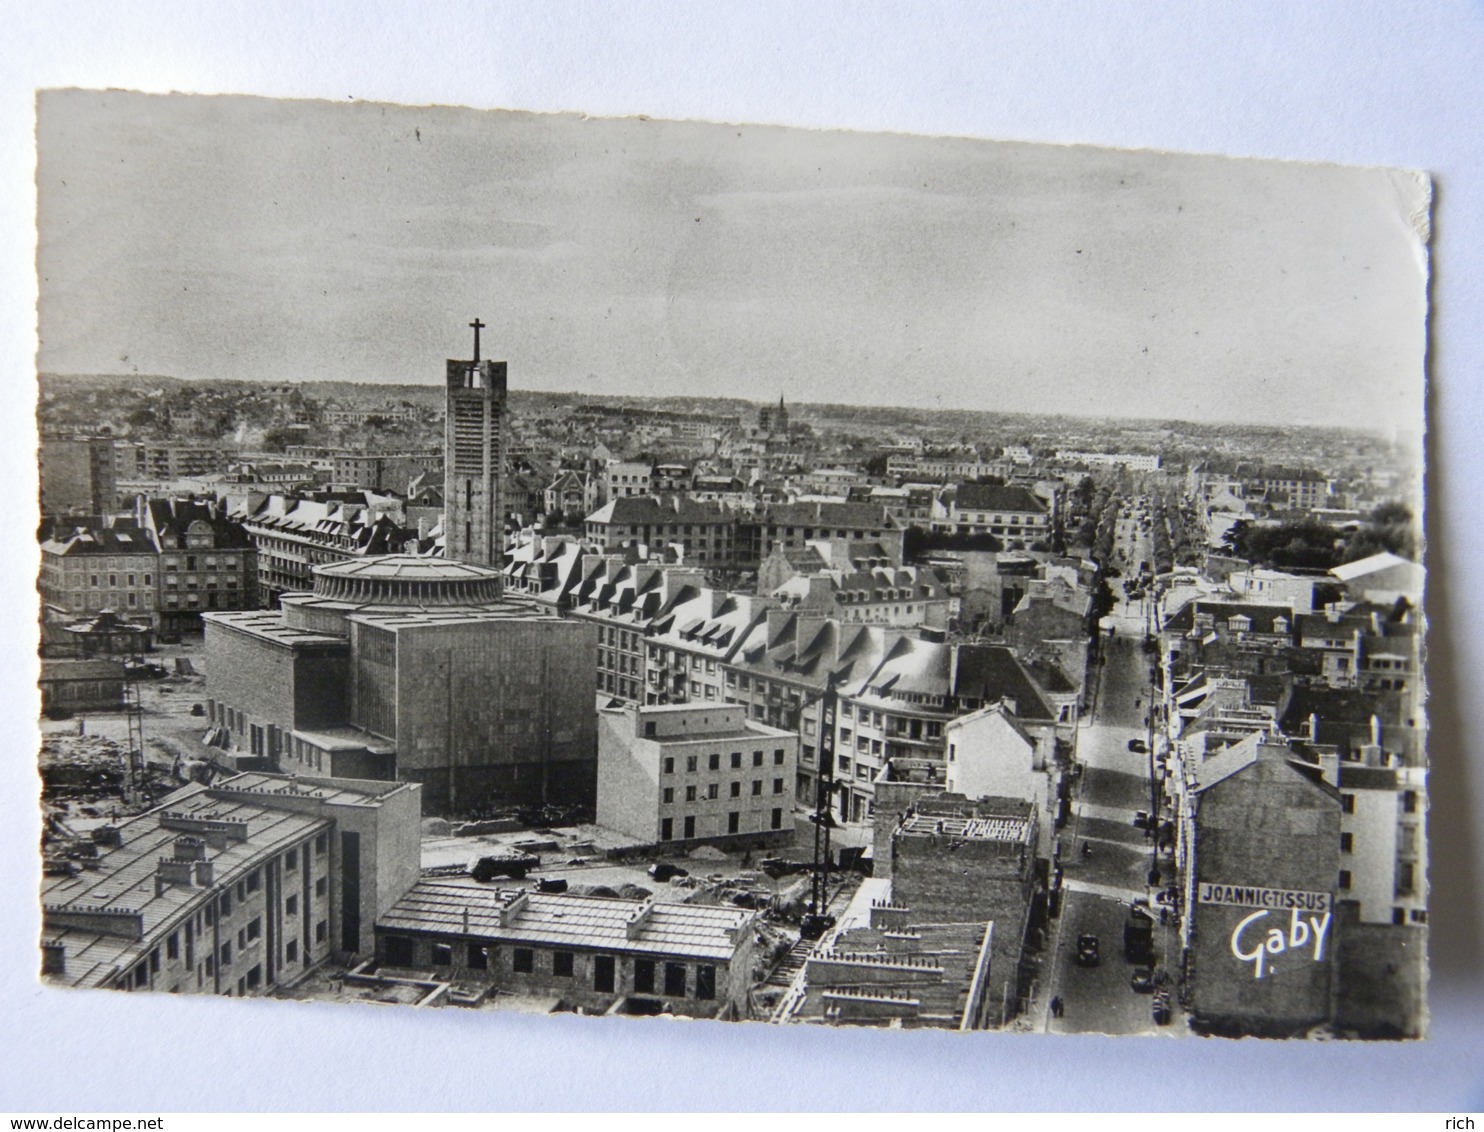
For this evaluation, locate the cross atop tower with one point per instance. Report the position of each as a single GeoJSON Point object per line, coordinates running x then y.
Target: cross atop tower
{"type": "Point", "coordinates": [477, 327]}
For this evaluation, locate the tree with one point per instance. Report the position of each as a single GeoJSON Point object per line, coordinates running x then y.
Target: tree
{"type": "Point", "coordinates": [1389, 527]}
{"type": "Point", "coordinates": [277, 439]}
{"type": "Point", "coordinates": [1304, 544]}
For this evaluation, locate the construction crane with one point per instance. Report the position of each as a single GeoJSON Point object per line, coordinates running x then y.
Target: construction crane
{"type": "Point", "coordinates": [134, 717]}
{"type": "Point", "coordinates": [818, 921]}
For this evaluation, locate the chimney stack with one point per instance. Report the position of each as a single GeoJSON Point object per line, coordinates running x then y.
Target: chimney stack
{"type": "Point", "coordinates": [53, 957]}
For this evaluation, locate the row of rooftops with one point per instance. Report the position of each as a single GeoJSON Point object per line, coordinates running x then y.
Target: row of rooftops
{"type": "Point", "coordinates": [651, 510]}
{"type": "Point", "coordinates": [157, 525]}
{"type": "Point", "coordinates": [676, 610]}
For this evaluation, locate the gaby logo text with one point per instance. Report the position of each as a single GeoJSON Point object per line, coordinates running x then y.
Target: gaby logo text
{"type": "Point", "coordinates": [1250, 945]}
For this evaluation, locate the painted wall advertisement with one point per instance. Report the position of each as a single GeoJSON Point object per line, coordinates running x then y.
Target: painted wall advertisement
{"type": "Point", "coordinates": [1262, 953]}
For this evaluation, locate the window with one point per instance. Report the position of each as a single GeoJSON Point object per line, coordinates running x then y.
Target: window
{"type": "Point", "coordinates": [523, 960]}
{"type": "Point", "coordinates": [808, 753]}
{"type": "Point", "coordinates": [1398, 916]}
{"type": "Point", "coordinates": [777, 786]}
{"type": "Point", "coordinates": [690, 826]}
{"type": "Point", "coordinates": [757, 787]}
{"type": "Point", "coordinates": [1405, 878]}
{"type": "Point", "coordinates": [734, 822]}
{"type": "Point", "coordinates": [226, 959]}
{"type": "Point", "coordinates": [736, 760]}
{"type": "Point", "coordinates": [291, 951]}
{"type": "Point", "coordinates": [561, 964]}
{"type": "Point", "coordinates": [319, 842]}
{"type": "Point", "coordinates": [690, 764]}
{"type": "Point", "coordinates": [644, 976]}
{"type": "Point", "coordinates": [442, 955]}
{"type": "Point", "coordinates": [1347, 803]}
{"type": "Point", "coordinates": [478, 957]}
{"type": "Point", "coordinates": [321, 931]}
{"type": "Point", "coordinates": [757, 758]}
{"type": "Point", "coordinates": [690, 793]}
{"type": "Point", "coordinates": [255, 928]}
{"type": "Point", "coordinates": [713, 790]}
{"type": "Point", "coordinates": [714, 762]}
{"type": "Point", "coordinates": [322, 886]}
{"type": "Point", "coordinates": [603, 973]}
{"type": "Point", "coordinates": [736, 790]}
{"type": "Point", "coordinates": [675, 979]}
{"type": "Point", "coordinates": [1347, 843]}
{"type": "Point", "coordinates": [777, 818]}
{"type": "Point", "coordinates": [667, 829]}
{"type": "Point", "coordinates": [291, 860]}
{"type": "Point", "coordinates": [649, 728]}
{"type": "Point", "coordinates": [1344, 879]}
{"type": "Point", "coordinates": [669, 766]}
{"type": "Point", "coordinates": [667, 796]}
{"type": "Point", "coordinates": [778, 757]}
{"type": "Point", "coordinates": [705, 981]}
{"type": "Point", "coordinates": [172, 946]}
{"type": "Point", "coordinates": [226, 904]}
{"type": "Point", "coordinates": [1409, 802]}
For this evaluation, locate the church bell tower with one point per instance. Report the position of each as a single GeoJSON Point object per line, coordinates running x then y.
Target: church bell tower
{"type": "Point", "coordinates": [474, 460]}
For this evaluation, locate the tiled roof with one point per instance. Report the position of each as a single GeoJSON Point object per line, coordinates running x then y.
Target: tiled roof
{"type": "Point", "coordinates": [641, 509]}
{"type": "Point", "coordinates": [997, 497]}
{"type": "Point", "coordinates": [833, 515]}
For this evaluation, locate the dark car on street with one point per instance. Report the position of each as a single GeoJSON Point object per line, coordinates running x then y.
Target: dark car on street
{"type": "Point", "coordinates": [1142, 980]}
{"type": "Point", "coordinates": [1087, 950]}
{"type": "Point", "coordinates": [663, 871]}
{"type": "Point", "coordinates": [1160, 1008]}
{"type": "Point", "coordinates": [1138, 746]}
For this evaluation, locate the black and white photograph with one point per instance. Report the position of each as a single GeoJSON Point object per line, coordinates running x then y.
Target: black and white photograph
{"type": "Point", "coordinates": [497, 561]}
{"type": "Point", "coordinates": [847, 559]}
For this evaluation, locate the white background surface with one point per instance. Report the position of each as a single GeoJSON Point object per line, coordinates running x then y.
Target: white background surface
{"type": "Point", "coordinates": [1393, 84]}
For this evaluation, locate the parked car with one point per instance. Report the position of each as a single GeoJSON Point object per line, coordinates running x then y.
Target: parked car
{"type": "Point", "coordinates": [663, 871]}
{"type": "Point", "coordinates": [1142, 980]}
{"type": "Point", "coordinates": [776, 867]}
{"type": "Point", "coordinates": [1161, 1009]}
{"type": "Point", "coordinates": [486, 869]}
{"type": "Point", "coordinates": [1138, 746]}
{"type": "Point", "coordinates": [1087, 950]}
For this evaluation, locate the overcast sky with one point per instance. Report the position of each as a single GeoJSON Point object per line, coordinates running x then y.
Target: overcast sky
{"type": "Point", "coordinates": [271, 240]}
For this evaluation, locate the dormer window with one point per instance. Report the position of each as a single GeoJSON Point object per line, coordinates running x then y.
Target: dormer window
{"type": "Point", "coordinates": [1240, 624]}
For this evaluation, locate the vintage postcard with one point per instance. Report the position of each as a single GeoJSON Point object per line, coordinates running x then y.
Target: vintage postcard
{"type": "Point", "coordinates": [500, 561]}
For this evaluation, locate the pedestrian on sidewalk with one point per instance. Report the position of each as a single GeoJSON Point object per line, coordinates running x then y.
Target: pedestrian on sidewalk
{"type": "Point", "coordinates": [1056, 1007]}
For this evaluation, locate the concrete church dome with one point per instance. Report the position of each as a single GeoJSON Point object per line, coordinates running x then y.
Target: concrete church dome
{"type": "Point", "coordinates": [407, 579]}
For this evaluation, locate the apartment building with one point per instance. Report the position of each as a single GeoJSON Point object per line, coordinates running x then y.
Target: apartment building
{"type": "Point", "coordinates": [701, 772]}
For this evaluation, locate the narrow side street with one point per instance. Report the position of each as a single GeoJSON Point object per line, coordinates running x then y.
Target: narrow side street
{"type": "Point", "coordinates": [1101, 886]}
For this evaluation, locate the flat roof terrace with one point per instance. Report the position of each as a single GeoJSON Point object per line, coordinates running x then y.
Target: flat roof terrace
{"type": "Point", "coordinates": [466, 908]}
